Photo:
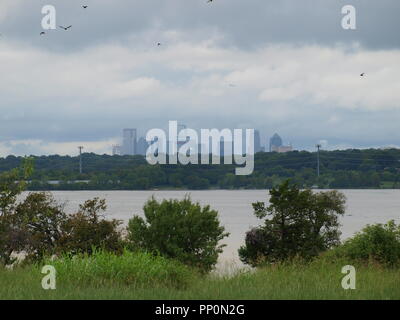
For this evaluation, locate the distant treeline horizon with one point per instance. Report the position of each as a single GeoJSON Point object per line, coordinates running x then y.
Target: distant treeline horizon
{"type": "Point", "coordinates": [353, 168]}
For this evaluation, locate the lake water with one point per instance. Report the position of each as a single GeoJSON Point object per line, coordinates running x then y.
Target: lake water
{"type": "Point", "coordinates": [235, 210]}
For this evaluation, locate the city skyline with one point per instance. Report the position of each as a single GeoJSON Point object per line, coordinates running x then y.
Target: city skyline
{"type": "Point", "coordinates": [133, 144]}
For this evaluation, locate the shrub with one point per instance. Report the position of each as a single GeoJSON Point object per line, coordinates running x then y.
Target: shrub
{"type": "Point", "coordinates": [181, 230]}
{"type": "Point", "coordinates": [379, 243]}
{"type": "Point", "coordinates": [87, 230]}
{"type": "Point", "coordinates": [302, 224]}
{"type": "Point", "coordinates": [39, 218]}
{"type": "Point", "coordinates": [12, 183]}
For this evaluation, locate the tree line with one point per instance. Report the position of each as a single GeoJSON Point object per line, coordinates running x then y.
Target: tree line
{"type": "Point", "coordinates": [370, 168]}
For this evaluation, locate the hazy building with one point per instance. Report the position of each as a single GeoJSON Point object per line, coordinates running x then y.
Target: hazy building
{"type": "Point", "coordinates": [275, 142]}
{"type": "Point", "coordinates": [142, 146]}
{"type": "Point", "coordinates": [276, 145]}
{"type": "Point", "coordinates": [129, 142]}
{"type": "Point", "coordinates": [116, 150]}
{"type": "Point", "coordinates": [257, 141]}
{"type": "Point", "coordinates": [284, 149]}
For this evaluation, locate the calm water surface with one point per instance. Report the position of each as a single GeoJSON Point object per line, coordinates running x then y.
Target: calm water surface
{"type": "Point", "coordinates": [234, 207]}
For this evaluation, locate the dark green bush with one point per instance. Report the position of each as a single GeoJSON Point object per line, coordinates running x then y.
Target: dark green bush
{"type": "Point", "coordinates": [12, 238]}
{"type": "Point", "coordinates": [302, 224]}
{"type": "Point", "coordinates": [87, 230]}
{"type": "Point", "coordinates": [181, 230]}
{"type": "Point", "coordinates": [38, 219]}
{"type": "Point", "coordinates": [378, 243]}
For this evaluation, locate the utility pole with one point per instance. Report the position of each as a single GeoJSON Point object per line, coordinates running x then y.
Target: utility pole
{"type": "Point", "coordinates": [80, 159]}
{"type": "Point", "coordinates": [318, 162]}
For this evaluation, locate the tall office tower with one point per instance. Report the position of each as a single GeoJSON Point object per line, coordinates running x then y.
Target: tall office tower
{"type": "Point", "coordinates": [181, 143]}
{"type": "Point", "coordinates": [129, 142]}
{"type": "Point", "coordinates": [116, 150]}
{"type": "Point", "coordinates": [275, 142]}
{"type": "Point", "coordinates": [142, 146]}
{"type": "Point", "coordinates": [257, 141]}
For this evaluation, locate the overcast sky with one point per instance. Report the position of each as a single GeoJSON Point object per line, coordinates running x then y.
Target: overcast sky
{"type": "Point", "coordinates": [282, 66]}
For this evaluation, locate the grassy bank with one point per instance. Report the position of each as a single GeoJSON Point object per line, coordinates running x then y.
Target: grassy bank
{"type": "Point", "coordinates": [141, 276]}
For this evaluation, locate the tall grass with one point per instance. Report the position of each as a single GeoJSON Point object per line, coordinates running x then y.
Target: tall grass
{"type": "Point", "coordinates": [143, 276]}
{"type": "Point", "coordinates": [137, 269]}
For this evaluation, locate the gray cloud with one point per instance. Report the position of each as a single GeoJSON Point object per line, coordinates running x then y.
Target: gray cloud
{"type": "Point", "coordinates": [294, 70]}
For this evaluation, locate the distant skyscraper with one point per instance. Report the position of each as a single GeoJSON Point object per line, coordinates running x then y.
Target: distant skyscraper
{"type": "Point", "coordinates": [129, 142]}
{"type": "Point", "coordinates": [276, 145]}
{"type": "Point", "coordinates": [142, 146]}
{"type": "Point", "coordinates": [116, 150]}
{"type": "Point", "coordinates": [275, 142]}
{"type": "Point", "coordinates": [257, 141]}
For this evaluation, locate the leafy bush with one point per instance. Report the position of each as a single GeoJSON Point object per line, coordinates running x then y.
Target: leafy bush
{"type": "Point", "coordinates": [87, 230]}
{"type": "Point", "coordinates": [12, 183]}
{"type": "Point", "coordinates": [379, 243]}
{"type": "Point", "coordinates": [181, 230]}
{"type": "Point", "coordinates": [303, 224]}
{"type": "Point", "coordinates": [39, 219]}
{"type": "Point", "coordinates": [138, 269]}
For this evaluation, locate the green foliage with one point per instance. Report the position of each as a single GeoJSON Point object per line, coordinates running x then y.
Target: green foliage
{"type": "Point", "coordinates": [138, 269]}
{"type": "Point", "coordinates": [87, 230]}
{"type": "Point", "coordinates": [301, 223]}
{"type": "Point", "coordinates": [12, 183]}
{"type": "Point", "coordinates": [38, 226]}
{"type": "Point", "coordinates": [346, 169]}
{"type": "Point", "coordinates": [39, 218]}
{"type": "Point", "coordinates": [378, 243]}
{"type": "Point", "coordinates": [181, 230]}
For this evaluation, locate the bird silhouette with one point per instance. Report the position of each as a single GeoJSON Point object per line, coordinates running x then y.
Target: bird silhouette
{"type": "Point", "coordinates": [362, 74]}
{"type": "Point", "coordinates": [158, 43]}
{"type": "Point", "coordinates": [42, 33]}
{"type": "Point", "coordinates": [65, 28]}
{"type": "Point", "coordinates": [84, 7]}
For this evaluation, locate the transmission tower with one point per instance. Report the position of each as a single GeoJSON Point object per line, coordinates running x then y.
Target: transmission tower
{"type": "Point", "coordinates": [80, 159]}
{"type": "Point", "coordinates": [318, 146]}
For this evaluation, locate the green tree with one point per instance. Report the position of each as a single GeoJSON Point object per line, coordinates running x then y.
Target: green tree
{"type": "Point", "coordinates": [180, 230]}
{"type": "Point", "coordinates": [39, 218]}
{"type": "Point", "coordinates": [301, 223]}
{"type": "Point", "coordinates": [12, 183]}
{"type": "Point", "coordinates": [88, 230]}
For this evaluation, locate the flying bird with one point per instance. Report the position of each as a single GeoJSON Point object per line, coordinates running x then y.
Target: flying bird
{"type": "Point", "coordinates": [42, 33]}
{"type": "Point", "coordinates": [362, 74]}
{"type": "Point", "coordinates": [158, 43]}
{"type": "Point", "coordinates": [65, 28]}
{"type": "Point", "coordinates": [84, 7]}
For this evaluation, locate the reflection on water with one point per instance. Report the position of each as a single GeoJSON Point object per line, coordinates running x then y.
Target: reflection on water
{"type": "Point", "coordinates": [235, 210]}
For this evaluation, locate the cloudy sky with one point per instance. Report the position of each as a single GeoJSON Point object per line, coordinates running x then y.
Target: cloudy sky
{"type": "Point", "coordinates": [282, 66]}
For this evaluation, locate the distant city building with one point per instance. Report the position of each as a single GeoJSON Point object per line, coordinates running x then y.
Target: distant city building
{"type": "Point", "coordinates": [181, 143]}
{"type": "Point", "coordinates": [276, 145]}
{"type": "Point", "coordinates": [257, 141]}
{"type": "Point", "coordinates": [116, 150]}
{"type": "Point", "coordinates": [142, 146]}
{"type": "Point", "coordinates": [129, 142]}
{"type": "Point", "coordinates": [275, 142]}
